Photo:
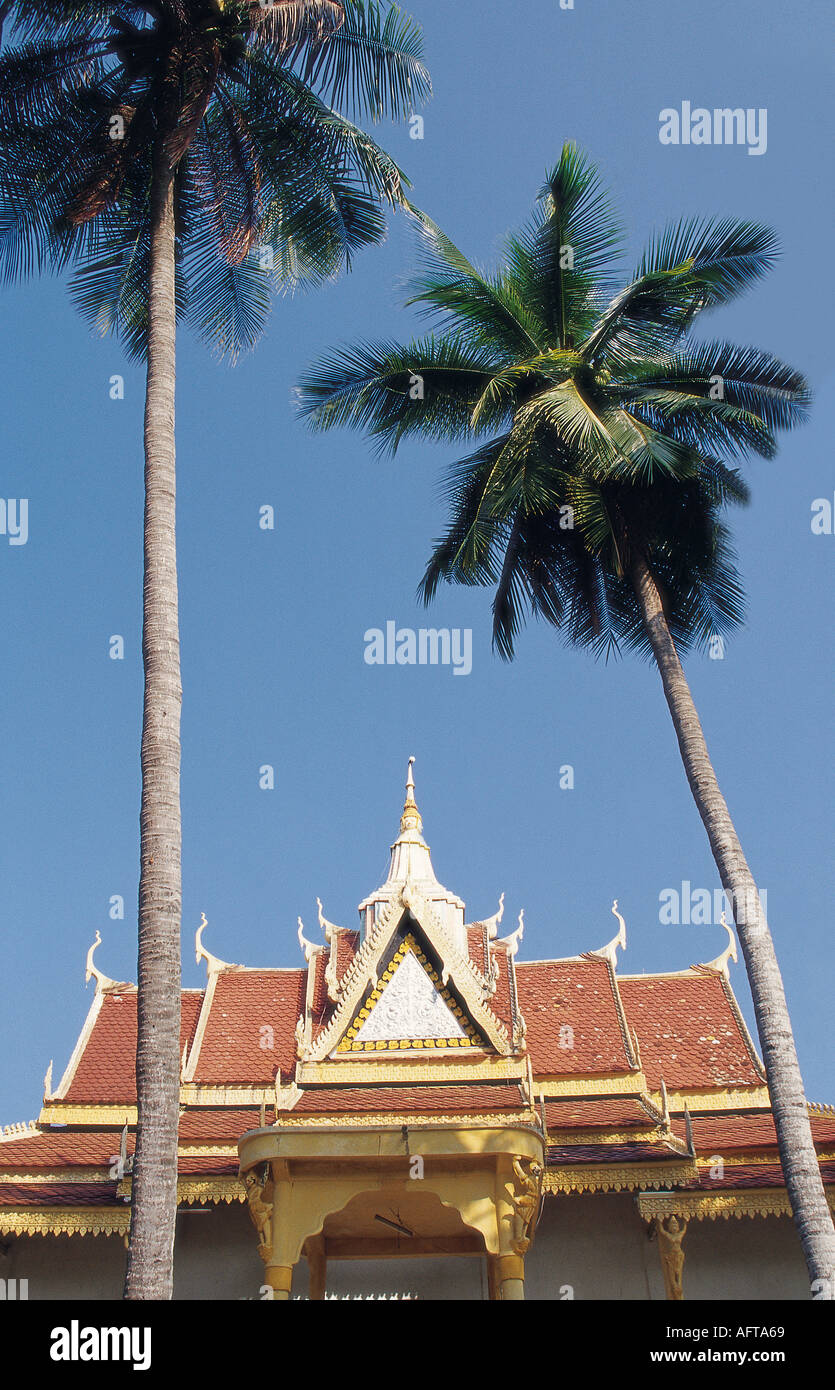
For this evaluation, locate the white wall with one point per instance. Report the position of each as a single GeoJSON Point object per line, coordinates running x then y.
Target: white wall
{"type": "Point", "coordinates": [595, 1246]}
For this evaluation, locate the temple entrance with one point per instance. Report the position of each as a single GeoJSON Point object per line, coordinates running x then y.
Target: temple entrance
{"type": "Point", "coordinates": [394, 1222]}
{"type": "Point", "coordinates": [361, 1194]}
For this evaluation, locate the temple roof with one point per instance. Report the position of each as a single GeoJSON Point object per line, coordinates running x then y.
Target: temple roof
{"type": "Point", "coordinates": [633, 1080]}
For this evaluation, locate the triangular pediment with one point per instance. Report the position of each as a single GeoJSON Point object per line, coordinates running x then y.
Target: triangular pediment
{"type": "Point", "coordinates": [409, 1008]}
{"type": "Point", "coordinates": [410, 989]}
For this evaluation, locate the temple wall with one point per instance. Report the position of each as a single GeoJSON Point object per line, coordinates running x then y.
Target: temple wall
{"type": "Point", "coordinates": [595, 1247]}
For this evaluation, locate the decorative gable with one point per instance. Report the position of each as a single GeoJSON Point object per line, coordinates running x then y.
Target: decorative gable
{"type": "Point", "coordinates": [408, 1008]}
{"type": "Point", "coordinates": [459, 992]}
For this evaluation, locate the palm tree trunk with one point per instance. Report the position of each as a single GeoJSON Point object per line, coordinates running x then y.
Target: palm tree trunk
{"type": "Point", "coordinates": [154, 1209]}
{"type": "Point", "coordinates": [791, 1116]}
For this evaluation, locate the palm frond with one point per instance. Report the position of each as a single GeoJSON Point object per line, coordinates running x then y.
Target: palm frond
{"type": "Point", "coordinates": [374, 62]}
{"type": "Point", "coordinates": [425, 387]}
{"type": "Point", "coordinates": [466, 299]}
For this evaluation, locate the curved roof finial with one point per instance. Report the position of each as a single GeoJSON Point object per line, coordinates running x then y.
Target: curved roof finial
{"type": "Point", "coordinates": [200, 952]}
{"type": "Point", "coordinates": [329, 928]}
{"type": "Point", "coordinates": [410, 819]}
{"type": "Point", "coordinates": [92, 972]}
{"type": "Point", "coordinates": [609, 952]}
{"type": "Point", "coordinates": [513, 941]}
{"type": "Point", "coordinates": [309, 948]}
{"type": "Point", "coordinates": [720, 964]}
{"type": "Point", "coordinates": [492, 923]}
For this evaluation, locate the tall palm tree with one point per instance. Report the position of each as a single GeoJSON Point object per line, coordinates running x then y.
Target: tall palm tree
{"type": "Point", "coordinates": [605, 443]}
{"type": "Point", "coordinates": [162, 148]}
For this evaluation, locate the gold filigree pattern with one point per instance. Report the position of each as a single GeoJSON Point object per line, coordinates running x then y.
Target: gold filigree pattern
{"type": "Point", "coordinates": [412, 1070]}
{"type": "Point", "coordinates": [222, 1187]}
{"type": "Point", "coordinates": [64, 1221]}
{"type": "Point", "coordinates": [386, 1120]}
{"type": "Point", "coordinates": [715, 1205]}
{"type": "Point", "coordinates": [616, 1177]}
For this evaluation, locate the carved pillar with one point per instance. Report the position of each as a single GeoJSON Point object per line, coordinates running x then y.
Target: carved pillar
{"type": "Point", "coordinates": [260, 1196]}
{"type": "Point", "coordinates": [317, 1264]}
{"type": "Point", "coordinates": [493, 1293]}
{"type": "Point", "coordinates": [671, 1231]}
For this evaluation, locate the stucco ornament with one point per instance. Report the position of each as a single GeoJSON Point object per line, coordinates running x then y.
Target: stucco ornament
{"type": "Point", "coordinates": [261, 1211]}
{"type": "Point", "coordinates": [410, 1007]}
{"type": "Point", "coordinates": [525, 1198]}
{"type": "Point", "coordinates": [671, 1233]}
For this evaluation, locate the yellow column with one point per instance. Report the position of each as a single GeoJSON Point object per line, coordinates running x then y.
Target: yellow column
{"type": "Point", "coordinates": [318, 1266]}
{"type": "Point", "coordinates": [280, 1280]}
{"type": "Point", "coordinates": [492, 1279]}
{"type": "Point", "coordinates": [511, 1276]}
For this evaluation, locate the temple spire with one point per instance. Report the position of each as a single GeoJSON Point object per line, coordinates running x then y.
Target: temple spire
{"type": "Point", "coordinates": [410, 819]}
{"type": "Point", "coordinates": [411, 863]}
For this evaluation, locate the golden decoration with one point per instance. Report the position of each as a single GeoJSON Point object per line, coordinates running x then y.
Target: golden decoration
{"type": "Point", "coordinates": [525, 1198]}
{"type": "Point", "coordinates": [616, 1177]}
{"type": "Point", "coordinates": [63, 1221]}
{"type": "Point", "coordinates": [259, 1197]}
{"type": "Point", "coordinates": [715, 1205]}
{"type": "Point", "coordinates": [671, 1231]}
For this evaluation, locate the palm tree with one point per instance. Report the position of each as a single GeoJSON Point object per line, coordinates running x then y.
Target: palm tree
{"type": "Point", "coordinates": [594, 492]}
{"type": "Point", "coordinates": [163, 148]}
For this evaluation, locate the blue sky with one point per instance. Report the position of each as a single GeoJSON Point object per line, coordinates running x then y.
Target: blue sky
{"type": "Point", "coordinates": [273, 622]}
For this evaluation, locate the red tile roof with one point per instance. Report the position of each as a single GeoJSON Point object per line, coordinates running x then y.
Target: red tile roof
{"type": "Point", "coordinates": [62, 1148]}
{"type": "Point", "coordinates": [250, 1032]}
{"type": "Point", "coordinates": [106, 1071]}
{"type": "Point", "coordinates": [687, 1032]}
{"type": "Point", "coordinates": [500, 1001]}
{"type": "Point", "coordinates": [580, 1154]}
{"type": "Point", "coordinates": [598, 1112]}
{"type": "Point", "coordinates": [346, 945]}
{"type": "Point", "coordinates": [475, 945]}
{"type": "Point", "coordinates": [740, 1175]}
{"type": "Point", "coordinates": [434, 1099]}
{"type": "Point", "coordinates": [224, 1122]}
{"type": "Point", "coordinates": [191, 1165]}
{"type": "Point", "coordinates": [53, 1194]}
{"type": "Point", "coordinates": [576, 996]}
{"type": "Point", "coordinates": [723, 1133]}
{"type": "Point", "coordinates": [321, 1006]}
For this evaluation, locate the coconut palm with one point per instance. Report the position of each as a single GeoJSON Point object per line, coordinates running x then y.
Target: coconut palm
{"type": "Point", "coordinates": [604, 444]}
{"type": "Point", "coordinates": [185, 157]}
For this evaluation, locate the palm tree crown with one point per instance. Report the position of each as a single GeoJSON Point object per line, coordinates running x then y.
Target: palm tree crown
{"type": "Point", "coordinates": [602, 432]}
{"type": "Point", "coordinates": [608, 444]}
{"type": "Point", "coordinates": [241, 93]}
{"type": "Point", "coordinates": [153, 146]}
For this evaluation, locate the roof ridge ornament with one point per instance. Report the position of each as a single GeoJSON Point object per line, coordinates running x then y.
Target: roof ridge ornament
{"type": "Point", "coordinates": [609, 952]}
{"type": "Point", "coordinates": [213, 963]}
{"type": "Point", "coordinates": [513, 942]}
{"type": "Point", "coordinates": [492, 923]}
{"type": "Point", "coordinates": [309, 948]}
{"type": "Point", "coordinates": [327, 927]}
{"type": "Point", "coordinates": [720, 964]}
{"type": "Point", "coordinates": [92, 971]}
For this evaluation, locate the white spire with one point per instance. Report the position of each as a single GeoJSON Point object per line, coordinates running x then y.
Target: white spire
{"type": "Point", "coordinates": [411, 863]}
